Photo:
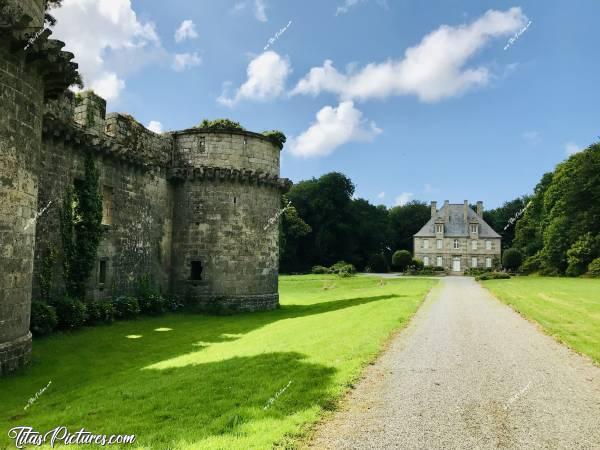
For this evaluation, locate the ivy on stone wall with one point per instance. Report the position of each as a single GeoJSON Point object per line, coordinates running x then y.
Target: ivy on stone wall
{"type": "Point", "coordinates": [81, 229]}
{"type": "Point", "coordinates": [47, 271]}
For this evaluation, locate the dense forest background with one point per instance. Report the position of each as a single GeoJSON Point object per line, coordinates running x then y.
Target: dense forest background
{"type": "Point", "coordinates": [556, 229]}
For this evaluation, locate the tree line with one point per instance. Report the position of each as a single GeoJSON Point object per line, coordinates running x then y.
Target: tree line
{"type": "Point", "coordinates": [554, 231]}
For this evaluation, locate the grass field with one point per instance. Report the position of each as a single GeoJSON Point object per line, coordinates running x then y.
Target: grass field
{"type": "Point", "coordinates": [567, 308]}
{"type": "Point", "coordinates": [193, 381]}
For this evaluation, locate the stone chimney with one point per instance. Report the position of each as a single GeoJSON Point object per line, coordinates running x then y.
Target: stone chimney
{"type": "Point", "coordinates": [466, 211]}
{"type": "Point", "coordinates": [480, 208]}
{"type": "Point", "coordinates": [433, 209]}
{"type": "Point", "coordinates": [446, 209]}
{"type": "Point", "coordinates": [90, 111]}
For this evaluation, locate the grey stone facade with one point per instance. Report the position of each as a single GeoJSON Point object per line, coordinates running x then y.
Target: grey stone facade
{"type": "Point", "coordinates": [457, 238]}
{"type": "Point", "coordinates": [187, 208]}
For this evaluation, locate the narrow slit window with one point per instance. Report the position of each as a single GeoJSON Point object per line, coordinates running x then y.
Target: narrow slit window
{"type": "Point", "coordinates": [196, 272]}
{"type": "Point", "coordinates": [102, 272]}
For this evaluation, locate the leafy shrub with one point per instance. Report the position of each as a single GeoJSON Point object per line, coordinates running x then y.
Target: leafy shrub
{"type": "Point", "coordinates": [581, 254]}
{"type": "Point", "coordinates": [343, 269]}
{"type": "Point", "coordinates": [100, 311]}
{"type": "Point", "coordinates": [320, 270]}
{"type": "Point", "coordinates": [475, 271]}
{"type": "Point", "coordinates": [153, 304]}
{"type": "Point", "coordinates": [493, 276]}
{"type": "Point", "coordinates": [439, 269]}
{"type": "Point", "coordinates": [532, 264]}
{"type": "Point", "coordinates": [220, 125]}
{"type": "Point", "coordinates": [401, 259]}
{"type": "Point", "coordinates": [378, 264]}
{"type": "Point", "coordinates": [276, 136]}
{"type": "Point", "coordinates": [594, 268]}
{"type": "Point", "coordinates": [173, 303]}
{"type": "Point", "coordinates": [417, 264]}
{"type": "Point", "coordinates": [71, 313]}
{"type": "Point", "coordinates": [43, 318]}
{"type": "Point", "coordinates": [512, 259]}
{"type": "Point", "coordinates": [125, 307]}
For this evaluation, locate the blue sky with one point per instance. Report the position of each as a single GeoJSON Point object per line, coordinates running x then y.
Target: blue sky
{"type": "Point", "coordinates": [463, 114]}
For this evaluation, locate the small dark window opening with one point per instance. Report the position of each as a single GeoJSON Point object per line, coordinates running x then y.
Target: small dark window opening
{"type": "Point", "coordinates": [234, 200]}
{"type": "Point", "coordinates": [196, 273]}
{"type": "Point", "coordinates": [102, 272]}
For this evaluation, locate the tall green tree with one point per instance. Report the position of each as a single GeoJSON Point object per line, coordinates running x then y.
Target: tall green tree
{"type": "Point", "coordinates": [405, 221]}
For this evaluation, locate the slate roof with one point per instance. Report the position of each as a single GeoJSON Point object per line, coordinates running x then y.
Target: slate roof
{"type": "Point", "coordinates": [456, 226]}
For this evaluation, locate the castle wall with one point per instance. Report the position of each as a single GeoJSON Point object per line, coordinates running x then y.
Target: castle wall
{"type": "Point", "coordinates": [21, 97]}
{"type": "Point", "coordinates": [137, 198]}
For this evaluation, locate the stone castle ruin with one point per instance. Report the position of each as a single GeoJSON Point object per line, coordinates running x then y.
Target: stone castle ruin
{"type": "Point", "coordinates": [187, 208]}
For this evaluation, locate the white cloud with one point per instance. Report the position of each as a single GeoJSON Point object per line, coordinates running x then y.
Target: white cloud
{"type": "Point", "coordinates": [103, 35]}
{"type": "Point", "coordinates": [334, 127]}
{"type": "Point", "coordinates": [238, 8]}
{"type": "Point", "coordinates": [432, 70]}
{"type": "Point", "coordinates": [267, 74]}
{"type": "Point", "coordinates": [260, 10]}
{"type": "Point", "coordinates": [155, 126]}
{"type": "Point", "coordinates": [182, 61]}
{"type": "Point", "coordinates": [346, 6]}
{"type": "Point", "coordinates": [381, 195]}
{"type": "Point", "coordinates": [404, 198]}
{"type": "Point", "coordinates": [429, 189]}
{"type": "Point", "coordinates": [107, 85]}
{"type": "Point", "coordinates": [187, 30]}
{"type": "Point", "coordinates": [532, 136]}
{"type": "Point", "coordinates": [571, 148]}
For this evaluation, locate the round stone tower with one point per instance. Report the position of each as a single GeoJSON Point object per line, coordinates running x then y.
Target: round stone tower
{"type": "Point", "coordinates": [32, 67]}
{"type": "Point", "coordinates": [227, 194]}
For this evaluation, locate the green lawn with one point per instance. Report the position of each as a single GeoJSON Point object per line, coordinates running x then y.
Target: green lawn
{"type": "Point", "coordinates": [567, 308]}
{"type": "Point", "coordinates": [211, 382]}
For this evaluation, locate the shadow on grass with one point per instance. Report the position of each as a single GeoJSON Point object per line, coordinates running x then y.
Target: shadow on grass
{"type": "Point", "coordinates": [96, 373]}
{"type": "Point", "coordinates": [192, 403]}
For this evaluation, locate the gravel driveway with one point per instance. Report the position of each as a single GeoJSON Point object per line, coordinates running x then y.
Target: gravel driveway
{"type": "Point", "coordinates": [469, 373]}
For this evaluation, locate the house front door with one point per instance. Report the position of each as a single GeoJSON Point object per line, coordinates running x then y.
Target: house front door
{"type": "Point", "coordinates": [456, 264]}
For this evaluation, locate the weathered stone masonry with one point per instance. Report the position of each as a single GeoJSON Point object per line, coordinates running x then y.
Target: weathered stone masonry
{"type": "Point", "coordinates": [187, 208]}
{"type": "Point", "coordinates": [27, 76]}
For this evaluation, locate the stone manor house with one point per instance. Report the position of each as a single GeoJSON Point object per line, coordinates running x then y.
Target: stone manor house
{"type": "Point", "coordinates": [187, 208]}
{"type": "Point", "coordinates": [457, 238]}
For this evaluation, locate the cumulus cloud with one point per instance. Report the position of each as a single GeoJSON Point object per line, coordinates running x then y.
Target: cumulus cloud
{"type": "Point", "coordinates": [267, 74]}
{"type": "Point", "coordinates": [333, 127]}
{"type": "Point", "coordinates": [104, 36]}
{"type": "Point", "coordinates": [155, 126]}
{"type": "Point", "coordinates": [404, 198]}
{"type": "Point", "coordinates": [571, 148]}
{"type": "Point", "coordinates": [260, 12]}
{"type": "Point", "coordinates": [381, 195]}
{"type": "Point", "coordinates": [187, 30]}
{"type": "Point", "coordinates": [350, 4]}
{"type": "Point", "coordinates": [182, 61]}
{"type": "Point", "coordinates": [432, 70]}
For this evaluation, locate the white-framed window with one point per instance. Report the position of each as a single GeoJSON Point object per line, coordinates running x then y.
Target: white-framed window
{"type": "Point", "coordinates": [473, 262]}
{"type": "Point", "coordinates": [439, 228]}
{"type": "Point", "coordinates": [425, 260]}
{"type": "Point", "coordinates": [439, 262]}
{"type": "Point", "coordinates": [488, 262]}
{"type": "Point", "coordinates": [473, 228]}
{"type": "Point", "coordinates": [425, 243]}
{"type": "Point", "coordinates": [474, 244]}
{"type": "Point", "coordinates": [488, 245]}
{"type": "Point", "coordinates": [439, 244]}
{"type": "Point", "coordinates": [456, 244]}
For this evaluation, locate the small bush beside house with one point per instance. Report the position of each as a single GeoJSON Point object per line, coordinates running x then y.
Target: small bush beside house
{"type": "Point", "coordinates": [43, 318]}
{"type": "Point", "coordinates": [512, 259]}
{"type": "Point", "coordinates": [401, 259]}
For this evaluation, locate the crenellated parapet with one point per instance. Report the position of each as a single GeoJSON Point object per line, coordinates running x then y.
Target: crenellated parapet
{"type": "Point", "coordinates": [246, 176]}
